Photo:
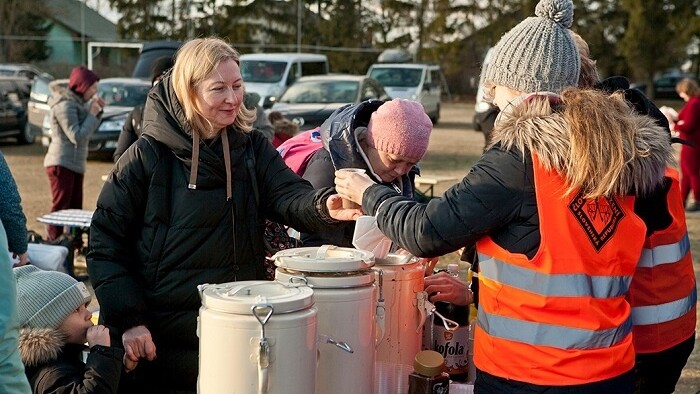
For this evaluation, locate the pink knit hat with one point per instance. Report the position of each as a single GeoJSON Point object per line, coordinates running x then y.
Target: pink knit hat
{"type": "Point", "coordinates": [81, 79]}
{"type": "Point", "coordinates": [400, 127]}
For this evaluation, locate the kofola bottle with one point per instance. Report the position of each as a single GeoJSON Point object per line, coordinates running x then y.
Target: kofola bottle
{"type": "Point", "coordinates": [453, 345]}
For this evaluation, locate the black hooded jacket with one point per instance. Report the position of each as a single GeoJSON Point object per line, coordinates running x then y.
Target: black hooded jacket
{"type": "Point", "coordinates": [153, 239]}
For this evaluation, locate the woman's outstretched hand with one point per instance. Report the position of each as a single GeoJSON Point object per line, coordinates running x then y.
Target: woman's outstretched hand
{"type": "Point", "coordinates": [337, 212]}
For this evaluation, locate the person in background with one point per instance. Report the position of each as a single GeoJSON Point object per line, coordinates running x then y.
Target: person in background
{"type": "Point", "coordinates": [549, 208]}
{"type": "Point", "coordinates": [186, 205]}
{"type": "Point", "coordinates": [75, 115]}
{"type": "Point", "coordinates": [12, 378]}
{"type": "Point", "coordinates": [56, 324]}
{"type": "Point", "coordinates": [261, 123]}
{"type": "Point", "coordinates": [12, 215]}
{"type": "Point", "coordinates": [284, 130]}
{"type": "Point", "coordinates": [688, 125]}
{"type": "Point", "coordinates": [386, 139]}
{"type": "Point", "coordinates": [275, 116]}
{"type": "Point", "coordinates": [131, 130]}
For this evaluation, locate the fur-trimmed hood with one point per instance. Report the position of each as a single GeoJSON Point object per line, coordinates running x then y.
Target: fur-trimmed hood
{"type": "Point", "coordinates": [536, 127]}
{"type": "Point", "coordinates": [40, 345]}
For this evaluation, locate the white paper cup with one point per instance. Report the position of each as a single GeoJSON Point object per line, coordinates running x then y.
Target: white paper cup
{"type": "Point", "coordinates": [347, 203]}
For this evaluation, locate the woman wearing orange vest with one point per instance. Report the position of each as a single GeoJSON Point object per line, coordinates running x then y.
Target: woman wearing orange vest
{"type": "Point", "coordinates": [663, 294]}
{"type": "Point", "coordinates": [550, 205]}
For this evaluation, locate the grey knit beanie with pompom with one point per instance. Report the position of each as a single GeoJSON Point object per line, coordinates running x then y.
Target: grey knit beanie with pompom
{"type": "Point", "coordinates": [539, 54]}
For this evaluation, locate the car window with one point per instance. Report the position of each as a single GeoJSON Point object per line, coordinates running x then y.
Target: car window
{"type": "Point", "coordinates": [262, 71]}
{"type": "Point", "coordinates": [26, 73]}
{"type": "Point", "coordinates": [40, 90]}
{"type": "Point", "coordinates": [324, 92]}
{"type": "Point", "coordinates": [397, 77]}
{"type": "Point", "coordinates": [313, 68]}
{"type": "Point", "coordinates": [124, 95]}
{"type": "Point", "coordinates": [435, 77]}
{"type": "Point", "coordinates": [369, 91]}
{"type": "Point", "coordinates": [6, 87]}
{"type": "Point", "coordinates": [293, 72]}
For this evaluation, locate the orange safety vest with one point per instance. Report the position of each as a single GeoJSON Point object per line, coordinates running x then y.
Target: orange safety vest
{"type": "Point", "coordinates": [561, 318]}
{"type": "Point", "coordinates": [663, 293]}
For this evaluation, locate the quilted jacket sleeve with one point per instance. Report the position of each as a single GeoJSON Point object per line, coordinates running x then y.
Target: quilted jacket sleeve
{"type": "Point", "coordinates": [285, 196]}
{"type": "Point", "coordinates": [488, 198]}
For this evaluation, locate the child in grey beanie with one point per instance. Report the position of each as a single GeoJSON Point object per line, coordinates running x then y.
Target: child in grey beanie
{"type": "Point", "coordinates": [52, 309]}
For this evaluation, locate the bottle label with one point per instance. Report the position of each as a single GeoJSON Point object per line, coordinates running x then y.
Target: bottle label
{"type": "Point", "coordinates": [454, 347]}
{"type": "Point", "coordinates": [441, 388]}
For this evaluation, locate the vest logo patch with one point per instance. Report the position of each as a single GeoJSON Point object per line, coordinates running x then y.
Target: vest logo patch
{"type": "Point", "coordinates": [598, 217]}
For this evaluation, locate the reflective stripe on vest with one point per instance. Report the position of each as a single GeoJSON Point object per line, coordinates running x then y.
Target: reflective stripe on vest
{"type": "Point", "coordinates": [654, 314]}
{"type": "Point", "coordinates": [664, 254]}
{"type": "Point", "coordinates": [663, 291]}
{"type": "Point", "coordinates": [551, 335]}
{"type": "Point", "coordinates": [556, 285]}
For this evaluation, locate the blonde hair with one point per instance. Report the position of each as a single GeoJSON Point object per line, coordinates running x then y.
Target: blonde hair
{"type": "Point", "coordinates": [688, 86]}
{"type": "Point", "coordinates": [588, 77]}
{"type": "Point", "coordinates": [194, 61]}
{"type": "Point", "coordinates": [602, 137]}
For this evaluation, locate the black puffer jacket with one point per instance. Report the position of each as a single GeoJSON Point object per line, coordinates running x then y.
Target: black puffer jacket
{"type": "Point", "coordinates": [341, 150]}
{"type": "Point", "coordinates": [153, 239]}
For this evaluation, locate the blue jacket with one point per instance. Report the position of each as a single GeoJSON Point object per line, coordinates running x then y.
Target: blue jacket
{"type": "Point", "coordinates": [11, 210]}
{"type": "Point", "coordinates": [12, 379]}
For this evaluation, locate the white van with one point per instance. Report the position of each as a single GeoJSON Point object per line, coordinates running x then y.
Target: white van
{"type": "Point", "coordinates": [413, 81]}
{"type": "Point", "coordinates": [269, 74]}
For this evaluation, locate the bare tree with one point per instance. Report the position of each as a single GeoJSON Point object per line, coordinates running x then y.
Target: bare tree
{"type": "Point", "coordinates": [23, 28]}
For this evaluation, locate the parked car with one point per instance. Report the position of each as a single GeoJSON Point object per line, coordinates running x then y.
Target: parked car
{"type": "Point", "coordinates": [151, 51]}
{"type": "Point", "coordinates": [38, 106]}
{"type": "Point", "coordinates": [269, 74]}
{"type": "Point", "coordinates": [664, 86]}
{"type": "Point", "coordinates": [412, 81]}
{"type": "Point", "coordinates": [14, 95]}
{"type": "Point", "coordinates": [19, 70]}
{"type": "Point", "coordinates": [311, 100]}
{"type": "Point", "coordinates": [121, 95]}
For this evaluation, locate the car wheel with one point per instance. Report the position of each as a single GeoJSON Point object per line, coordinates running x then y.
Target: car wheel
{"type": "Point", "coordinates": [27, 135]}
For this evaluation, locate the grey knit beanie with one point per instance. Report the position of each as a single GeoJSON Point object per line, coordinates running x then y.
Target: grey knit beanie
{"type": "Point", "coordinates": [539, 54]}
{"type": "Point", "coordinates": [46, 298]}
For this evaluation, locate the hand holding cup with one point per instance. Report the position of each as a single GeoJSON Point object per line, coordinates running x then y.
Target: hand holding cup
{"type": "Point", "coordinates": [347, 202]}
{"type": "Point", "coordinates": [97, 105]}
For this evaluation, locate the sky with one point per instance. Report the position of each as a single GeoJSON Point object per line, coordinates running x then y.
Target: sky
{"type": "Point", "coordinates": [102, 6]}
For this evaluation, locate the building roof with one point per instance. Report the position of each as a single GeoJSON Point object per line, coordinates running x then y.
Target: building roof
{"type": "Point", "coordinates": [69, 14]}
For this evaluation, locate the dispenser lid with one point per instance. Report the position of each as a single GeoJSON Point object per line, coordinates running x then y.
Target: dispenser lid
{"type": "Point", "coordinates": [240, 297]}
{"type": "Point", "coordinates": [397, 259]}
{"type": "Point", "coordinates": [326, 258]}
